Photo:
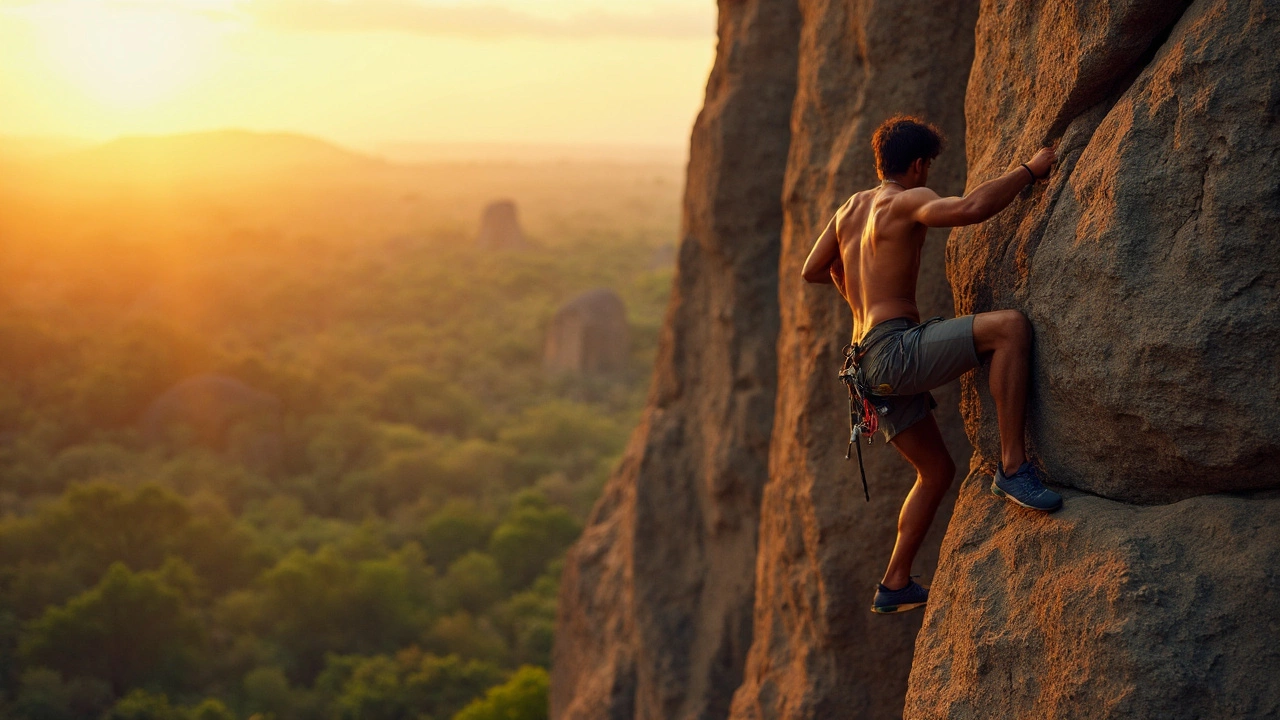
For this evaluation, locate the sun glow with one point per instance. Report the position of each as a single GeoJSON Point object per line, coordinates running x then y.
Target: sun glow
{"type": "Point", "coordinates": [127, 56]}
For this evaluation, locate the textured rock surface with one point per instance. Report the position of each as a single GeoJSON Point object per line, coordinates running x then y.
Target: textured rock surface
{"type": "Point", "coordinates": [818, 652]}
{"type": "Point", "coordinates": [1104, 609]}
{"type": "Point", "coordinates": [589, 334]}
{"type": "Point", "coordinates": [500, 227]}
{"type": "Point", "coordinates": [1148, 267]}
{"type": "Point", "coordinates": [655, 600]}
{"type": "Point", "coordinates": [1149, 264]}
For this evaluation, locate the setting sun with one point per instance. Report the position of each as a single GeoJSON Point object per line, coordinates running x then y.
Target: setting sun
{"type": "Point", "coordinates": [364, 73]}
{"type": "Point", "coordinates": [125, 56]}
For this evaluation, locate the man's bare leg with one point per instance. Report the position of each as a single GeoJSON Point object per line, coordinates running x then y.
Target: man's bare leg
{"type": "Point", "coordinates": [923, 447]}
{"type": "Point", "coordinates": [1006, 336]}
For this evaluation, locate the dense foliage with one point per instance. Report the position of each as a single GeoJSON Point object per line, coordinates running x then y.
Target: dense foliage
{"type": "Point", "coordinates": [362, 516]}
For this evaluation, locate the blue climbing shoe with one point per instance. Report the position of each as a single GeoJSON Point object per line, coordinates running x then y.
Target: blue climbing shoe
{"type": "Point", "coordinates": [889, 601]}
{"type": "Point", "coordinates": [1024, 488]}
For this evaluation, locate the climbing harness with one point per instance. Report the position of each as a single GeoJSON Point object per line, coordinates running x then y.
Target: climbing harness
{"type": "Point", "coordinates": [864, 419]}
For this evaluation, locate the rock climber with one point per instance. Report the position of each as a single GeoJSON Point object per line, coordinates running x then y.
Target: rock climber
{"type": "Point", "coordinates": [871, 251]}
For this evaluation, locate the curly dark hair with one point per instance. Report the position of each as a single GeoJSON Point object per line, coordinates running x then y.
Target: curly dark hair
{"type": "Point", "coordinates": [903, 139]}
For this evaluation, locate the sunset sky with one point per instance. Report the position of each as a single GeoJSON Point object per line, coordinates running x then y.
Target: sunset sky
{"type": "Point", "coordinates": [361, 72]}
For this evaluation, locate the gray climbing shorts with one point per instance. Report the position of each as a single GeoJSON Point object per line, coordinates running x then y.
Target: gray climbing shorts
{"type": "Point", "coordinates": [903, 360]}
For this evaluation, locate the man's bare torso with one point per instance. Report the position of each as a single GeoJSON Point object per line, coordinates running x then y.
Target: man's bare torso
{"type": "Point", "coordinates": [880, 258]}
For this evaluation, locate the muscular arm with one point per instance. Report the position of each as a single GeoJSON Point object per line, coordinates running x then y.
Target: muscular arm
{"type": "Point", "coordinates": [826, 251]}
{"type": "Point", "coordinates": [985, 201]}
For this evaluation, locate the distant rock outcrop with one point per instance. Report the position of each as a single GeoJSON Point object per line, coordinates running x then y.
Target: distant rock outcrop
{"type": "Point", "coordinates": [221, 413]}
{"type": "Point", "coordinates": [500, 227]}
{"type": "Point", "coordinates": [654, 614]}
{"type": "Point", "coordinates": [1149, 267]}
{"type": "Point", "coordinates": [589, 335]}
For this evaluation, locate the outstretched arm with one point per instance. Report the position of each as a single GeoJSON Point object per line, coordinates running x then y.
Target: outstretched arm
{"type": "Point", "coordinates": [985, 201]}
{"type": "Point", "coordinates": [826, 251]}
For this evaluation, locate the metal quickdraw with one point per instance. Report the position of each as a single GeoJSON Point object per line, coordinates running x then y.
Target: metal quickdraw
{"type": "Point", "coordinates": [863, 418]}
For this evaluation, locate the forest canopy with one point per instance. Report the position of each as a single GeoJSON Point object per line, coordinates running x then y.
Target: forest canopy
{"type": "Point", "coordinates": [280, 444]}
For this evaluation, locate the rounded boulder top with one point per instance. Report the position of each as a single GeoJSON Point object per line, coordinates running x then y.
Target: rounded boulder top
{"type": "Point", "coordinates": [500, 227]}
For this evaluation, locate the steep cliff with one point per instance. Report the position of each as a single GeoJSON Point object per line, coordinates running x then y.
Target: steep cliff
{"type": "Point", "coordinates": [818, 652]}
{"type": "Point", "coordinates": [1148, 266]}
{"type": "Point", "coordinates": [655, 601]}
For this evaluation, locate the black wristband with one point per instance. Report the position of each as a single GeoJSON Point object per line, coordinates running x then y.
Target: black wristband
{"type": "Point", "coordinates": [1033, 175]}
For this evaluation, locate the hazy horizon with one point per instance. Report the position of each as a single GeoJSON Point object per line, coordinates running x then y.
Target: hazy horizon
{"type": "Point", "coordinates": [369, 76]}
{"type": "Point", "coordinates": [40, 147]}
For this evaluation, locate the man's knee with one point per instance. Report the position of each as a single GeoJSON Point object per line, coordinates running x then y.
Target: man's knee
{"type": "Point", "coordinates": [1015, 326]}
{"type": "Point", "coordinates": [1002, 329]}
{"type": "Point", "coordinates": [940, 473]}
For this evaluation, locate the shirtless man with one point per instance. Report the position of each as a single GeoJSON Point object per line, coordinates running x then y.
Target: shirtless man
{"type": "Point", "coordinates": [871, 252]}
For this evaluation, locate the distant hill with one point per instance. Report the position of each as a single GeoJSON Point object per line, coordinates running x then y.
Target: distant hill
{"type": "Point", "coordinates": [36, 147]}
{"type": "Point", "coordinates": [423, 152]}
{"type": "Point", "coordinates": [220, 153]}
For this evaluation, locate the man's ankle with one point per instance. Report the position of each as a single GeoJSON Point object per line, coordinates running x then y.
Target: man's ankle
{"type": "Point", "coordinates": [894, 583]}
{"type": "Point", "coordinates": [1010, 466]}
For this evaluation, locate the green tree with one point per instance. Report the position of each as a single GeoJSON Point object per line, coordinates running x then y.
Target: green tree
{"type": "Point", "coordinates": [562, 436]}
{"type": "Point", "coordinates": [313, 604]}
{"type": "Point", "coordinates": [211, 709]}
{"type": "Point", "coordinates": [527, 620]}
{"type": "Point", "coordinates": [44, 695]}
{"type": "Point", "coordinates": [412, 684]}
{"type": "Point", "coordinates": [523, 697]}
{"type": "Point", "coordinates": [142, 705]}
{"type": "Point", "coordinates": [531, 536]}
{"type": "Point", "coordinates": [95, 525]}
{"type": "Point", "coordinates": [454, 530]}
{"type": "Point", "coordinates": [267, 690]}
{"type": "Point", "coordinates": [132, 628]}
{"type": "Point", "coordinates": [410, 394]}
{"type": "Point", "coordinates": [473, 582]}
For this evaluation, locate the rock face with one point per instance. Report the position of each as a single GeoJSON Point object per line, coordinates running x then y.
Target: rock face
{"type": "Point", "coordinates": [818, 652]}
{"type": "Point", "coordinates": [500, 227]}
{"type": "Point", "coordinates": [654, 614]}
{"type": "Point", "coordinates": [589, 335]}
{"type": "Point", "coordinates": [1104, 609]}
{"type": "Point", "coordinates": [1149, 264]}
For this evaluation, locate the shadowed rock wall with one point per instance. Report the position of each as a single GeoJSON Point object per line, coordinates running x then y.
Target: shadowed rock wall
{"type": "Point", "coordinates": [1148, 266]}
{"type": "Point", "coordinates": [655, 601]}
{"type": "Point", "coordinates": [1149, 263]}
{"type": "Point", "coordinates": [818, 652]}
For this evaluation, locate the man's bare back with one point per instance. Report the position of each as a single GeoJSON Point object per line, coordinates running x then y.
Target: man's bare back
{"type": "Point", "coordinates": [871, 252]}
{"type": "Point", "coordinates": [880, 259]}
